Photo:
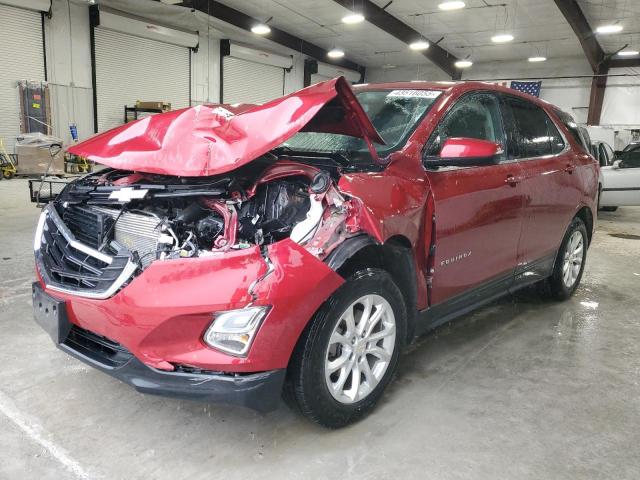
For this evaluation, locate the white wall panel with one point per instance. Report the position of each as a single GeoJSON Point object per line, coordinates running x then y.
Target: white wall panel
{"type": "Point", "coordinates": [621, 105]}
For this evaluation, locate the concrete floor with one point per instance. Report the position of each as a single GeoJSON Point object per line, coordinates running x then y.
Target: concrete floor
{"type": "Point", "coordinates": [520, 389]}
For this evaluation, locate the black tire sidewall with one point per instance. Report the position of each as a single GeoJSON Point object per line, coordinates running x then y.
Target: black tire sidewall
{"type": "Point", "coordinates": [558, 288]}
{"type": "Point", "coordinates": [307, 372]}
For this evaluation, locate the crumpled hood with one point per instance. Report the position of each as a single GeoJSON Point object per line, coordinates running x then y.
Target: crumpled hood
{"type": "Point", "coordinates": [213, 139]}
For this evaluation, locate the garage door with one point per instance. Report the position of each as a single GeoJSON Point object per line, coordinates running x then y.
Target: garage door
{"type": "Point", "coordinates": [21, 58]}
{"type": "Point", "coordinates": [250, 82]}
{"type": "Point", "coordinates": [130, 68]}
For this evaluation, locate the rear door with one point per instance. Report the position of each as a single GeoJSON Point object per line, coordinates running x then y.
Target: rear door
{"type": "Point", "coordinates": [550, 184]}
{"type": "Point", "coordinates": [478, 210]}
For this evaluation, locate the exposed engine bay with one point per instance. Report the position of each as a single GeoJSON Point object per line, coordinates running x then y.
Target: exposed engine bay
{"type": "Point", "coordinates": [158, 217]}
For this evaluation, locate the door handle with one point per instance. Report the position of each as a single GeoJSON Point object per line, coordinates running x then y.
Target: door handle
{"type": "Point", "coordinates": [570, 168]}
{"type": "Point", "coordinates": [511, 180]}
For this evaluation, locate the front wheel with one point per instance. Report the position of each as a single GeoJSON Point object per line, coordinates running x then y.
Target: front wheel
{"type": "Point", "coordinates": [570, 262]}
{"type": "Point", "coordinates": [347, 355]}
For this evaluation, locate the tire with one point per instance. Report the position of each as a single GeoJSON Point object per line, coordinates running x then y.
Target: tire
{"type": "Point", "coordinates": [608, 209]}
{"type": "Point", "coordinates": [561, 285]}
{"type": "Point", "coordinates": [326, 343]}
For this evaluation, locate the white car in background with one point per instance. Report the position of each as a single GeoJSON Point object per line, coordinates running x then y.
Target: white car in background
{"type": "Point", "coordinates": [621, 181]}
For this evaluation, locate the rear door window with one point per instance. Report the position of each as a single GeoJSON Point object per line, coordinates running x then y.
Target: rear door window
{"type": "Point", "coordinates": [532, 133]}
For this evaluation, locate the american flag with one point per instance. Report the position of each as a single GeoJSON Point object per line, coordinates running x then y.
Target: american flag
{"type": "Point", "coordinates": [532, 88]}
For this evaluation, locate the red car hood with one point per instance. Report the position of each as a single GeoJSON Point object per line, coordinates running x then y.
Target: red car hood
{"type": "Point", "coordinates": [214, 139]}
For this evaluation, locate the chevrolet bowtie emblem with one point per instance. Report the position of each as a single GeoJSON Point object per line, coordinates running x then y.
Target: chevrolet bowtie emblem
{"type": "Point", "coordinates": [127, 194]}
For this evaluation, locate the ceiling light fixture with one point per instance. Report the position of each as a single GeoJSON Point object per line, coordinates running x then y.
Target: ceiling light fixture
{"type": "Point", "coordinates": [463, 63]}
{"type": "Point", "coordinates": [609, 29]}
{"type": "Point", "coordinates": [335, 53]}
{"type": "Point", "coordinates": [537, 59]}
{"type": "Point", "coordinates": [261, 29]}
{"type": "Point", "coordinates": [353, 18]}
{"type": "Point", "coordinates": [502, 38]}
{"type": "Point", "coordinates": [628, 53]}
{"type": "Point", "coordinates": [419, 45]}
{"type": "Point", "coordinates": [447, 6]}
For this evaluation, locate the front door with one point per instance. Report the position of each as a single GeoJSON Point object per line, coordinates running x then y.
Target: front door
{"type": "Point", "coordinates": [478, 210]}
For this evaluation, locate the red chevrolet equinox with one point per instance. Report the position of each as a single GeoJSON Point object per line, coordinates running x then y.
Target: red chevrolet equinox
{"type": "Point", "coordinates": [236, 253]}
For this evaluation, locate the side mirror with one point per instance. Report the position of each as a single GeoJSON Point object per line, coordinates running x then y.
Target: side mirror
{"type": "Point", "coordinates": [617, 164]}
{"type": "Point", "coordinates": [465, 152]}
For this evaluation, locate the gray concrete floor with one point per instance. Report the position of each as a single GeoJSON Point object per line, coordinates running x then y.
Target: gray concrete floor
{"type": "Point", "coordinates": [520, 389]}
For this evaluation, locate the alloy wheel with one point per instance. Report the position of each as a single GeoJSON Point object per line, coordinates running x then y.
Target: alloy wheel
{"type": "Point", "coordinates": [360, 349]}
{"type": "Point", "coordinates": [573, 256]}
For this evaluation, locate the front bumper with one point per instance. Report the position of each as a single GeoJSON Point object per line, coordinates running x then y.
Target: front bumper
{"type": "Point", "coordinates": [258, 391]}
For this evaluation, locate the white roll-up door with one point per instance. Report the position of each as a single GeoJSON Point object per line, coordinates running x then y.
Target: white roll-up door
{"type": "Point", "coordinates": [250, 82]}
{"type": "Point", "coordinates": [130, 68]}
{"type": "Point", "coordinates": [21, 58]}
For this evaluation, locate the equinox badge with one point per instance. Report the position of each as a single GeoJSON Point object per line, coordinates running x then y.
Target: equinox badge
{"type": "Point", "coordinates": [457, 258]}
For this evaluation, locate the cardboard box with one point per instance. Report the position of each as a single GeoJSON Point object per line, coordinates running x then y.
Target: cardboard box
{"type": "Point", "coordinates": [34, 160]}
{"type": "Point", "coordinates": [165, 106]}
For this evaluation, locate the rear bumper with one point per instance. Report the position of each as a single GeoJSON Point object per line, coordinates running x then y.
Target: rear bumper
{"type": "Point", "coordinates": [258, 391]}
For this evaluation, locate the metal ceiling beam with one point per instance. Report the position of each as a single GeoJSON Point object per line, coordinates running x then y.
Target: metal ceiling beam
{"type": "Point", "coordinates": [578, 22]}
{"type": "Point", "coordinates": [379, 17]}
{"type": "Point", "coordinates": [596, 57]}
{"type": "Point", "coordinates": [244, 21]}
{"type": "Point", "coordinates": [624, 62]}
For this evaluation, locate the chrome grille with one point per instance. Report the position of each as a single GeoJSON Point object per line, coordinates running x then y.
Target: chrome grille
{"type": "Point", "coordinates": [68, 265]}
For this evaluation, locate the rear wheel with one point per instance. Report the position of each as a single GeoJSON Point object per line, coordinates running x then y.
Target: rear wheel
{"type": "Point", "coordinates": [348, 354]}
{"type": "Point", "coordinates": [569, 264]}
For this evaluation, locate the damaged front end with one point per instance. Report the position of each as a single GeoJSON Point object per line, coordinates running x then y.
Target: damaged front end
{"type": "Point", "coordinates": [141, 258]}
{"type": "Point", "coordinates": [203, 267]}
{"type": "Point", "coordinates": [133, 219]}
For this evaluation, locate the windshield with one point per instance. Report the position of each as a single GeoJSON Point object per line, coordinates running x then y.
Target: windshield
{"type": "Point", "coordinates": [394, 113]}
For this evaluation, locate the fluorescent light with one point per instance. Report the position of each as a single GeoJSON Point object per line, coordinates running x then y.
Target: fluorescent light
{"type": "Point", "coordinates": [451, 6]}
{"type": "Point", "coordinates": [463, 63]}
{"type": "Point", "coordinates": [609, 29]}
{"type": "Point", "coordinates": [353, 18]}
{"type": "Point", "coordinates": [537, 59]}
{"type": "Point", "coordinates": [335, 53]}
{"type": "Point", "coordinates": [260, 29]}
{"type": "Point", "coordinates": [628, 53]}
{"type": "Point", "coordinates": [502, 38]}
{"type": "Point", "coordinates": [419, 45]}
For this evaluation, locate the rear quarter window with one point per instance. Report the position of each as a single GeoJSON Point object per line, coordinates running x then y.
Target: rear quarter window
{"type": "Point", "coordinates": [571, 125]}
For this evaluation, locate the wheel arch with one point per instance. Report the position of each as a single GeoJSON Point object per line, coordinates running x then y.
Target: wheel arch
{"type": "Point", "coordinates": [394, 256]}
{"type": "Point", "coordinates": [586, 215]}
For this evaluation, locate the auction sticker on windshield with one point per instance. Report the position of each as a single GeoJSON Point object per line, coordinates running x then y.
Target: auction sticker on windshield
{"type": "Point", "coordinates": [415, 93]}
